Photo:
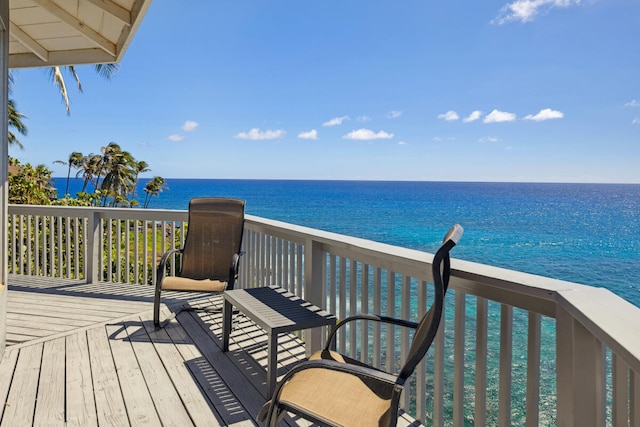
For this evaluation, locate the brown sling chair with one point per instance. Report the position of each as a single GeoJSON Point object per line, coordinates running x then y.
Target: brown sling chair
{"type": "Point", "coordinates": [331, 389]}
{"type": "Point", "coordinates": [210, 255]}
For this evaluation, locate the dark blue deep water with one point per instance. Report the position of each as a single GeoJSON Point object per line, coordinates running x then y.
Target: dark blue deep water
{"type": "Point", "coordinates": [584, 233]}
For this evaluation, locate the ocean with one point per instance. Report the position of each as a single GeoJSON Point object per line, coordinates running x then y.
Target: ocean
{"type": "Point", "coordinates": [583, 233]}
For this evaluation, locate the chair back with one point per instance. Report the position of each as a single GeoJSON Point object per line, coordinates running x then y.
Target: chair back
{"type": "Point", "coordinates": [428, 326]}
{"type": "Point", "coordinates": [214, 235]}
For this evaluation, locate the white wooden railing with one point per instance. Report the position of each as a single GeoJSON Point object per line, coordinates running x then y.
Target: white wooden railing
{"type": "Point", "coordinates": [515, 348]}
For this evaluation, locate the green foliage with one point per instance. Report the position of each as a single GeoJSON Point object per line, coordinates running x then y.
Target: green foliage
{"type": "Point", "coordinates": [30, 185]}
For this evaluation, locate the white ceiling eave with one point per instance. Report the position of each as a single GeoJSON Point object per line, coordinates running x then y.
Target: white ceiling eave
{"type": "Point", "coordinates": [46, 33]}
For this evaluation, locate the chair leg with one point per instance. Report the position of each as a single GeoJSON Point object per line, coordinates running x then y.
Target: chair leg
{"type": "Point", "coordinates": [156, 309]}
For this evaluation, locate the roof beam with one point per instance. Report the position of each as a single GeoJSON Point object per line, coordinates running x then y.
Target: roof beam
{"type": "Point", "coordinates": [100, 41]}
{"type": "Point", "coordinates": [113, 9]}
{"type": "Point", "coordinates": [76, 57]}
{"type": "Point", "coordinates": [27, 41]}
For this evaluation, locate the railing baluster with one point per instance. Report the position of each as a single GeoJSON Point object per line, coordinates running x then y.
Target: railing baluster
{"type": "Point", "coordinates": [353, 307]}
{"type": "Point", "coordinates": [620, 395]}
{"type": "Point", "coordinates": [342, 308]}
{"type": "Point", "coordinates": [333, 289]}
{"type": "Point", "coordinates": [118, 251]}
{"type": "Point", "coordinates": [59, 264]}
{"type": "Point", "coordinates": [533, 370]}
{"type": "Point", "coordinates": [421, 369]}
{"type": "Point", "coordinates": [404, 334]}
{"type": "Point", "coordinates": [634, 396]}
{"type": "Point", "coordinates": [480, 398]}
{"type": "Point", "coordinates": [364, 307]}
{"type": "Point", "coordinates": [458, 358]}
{"type": "Point", "coordinates": [31, 243]}
{"type": "Point", "coordinates": [23, 245]}
{"type": "Point", "coordinates": [377, 309]}
{"type": "Point", "coordinates": [506, 352]}
{"type": "Point", "coordinates": [11, 266]}
{"type": "Point", "coordinates": [127, 252]}
{"type": "Point", "coordinates": [79, 227]}
{"type": "Point", "coordinates": [300, 271]}
{"type": "Point", "coordinates": [438, 373]}
{"type": "Point", "coordinates": [391, 312]}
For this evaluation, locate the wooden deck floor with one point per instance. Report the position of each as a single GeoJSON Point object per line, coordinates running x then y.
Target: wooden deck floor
{"type": "Point", "coordinates": [88, 355]}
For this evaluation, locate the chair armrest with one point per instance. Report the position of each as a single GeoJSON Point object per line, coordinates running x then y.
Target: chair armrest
{"type": "Point", "coordinates": [372, 317]}
{"type": "Point", "coordinates": [233, 270]}
{"type": "Point", "coordinates": [162, 265]}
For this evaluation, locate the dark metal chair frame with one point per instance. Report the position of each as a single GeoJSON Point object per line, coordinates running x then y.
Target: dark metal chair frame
{"type": "Point", "coordinates": [425, 333]}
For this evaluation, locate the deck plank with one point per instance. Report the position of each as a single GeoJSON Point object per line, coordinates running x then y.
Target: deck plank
{"type": "Point", "coordinates": [81, 406]}
{"type": "Point", "coordinates": [166, 399]}
{"type": "Point", "coordinates": [199, 408]}
{"type": "Point", "coordinates": [7, 369]}
{"type": "Point", "coordinates": [110, 406]}
{"type": "Point", "coordinates": [140, 407]}
{"type": "Point", "coordinates": [231, 409]}
{"type": "Point", "coordinates": [50, 409]}
{"type": "Point", "coordinates": [21, 401]}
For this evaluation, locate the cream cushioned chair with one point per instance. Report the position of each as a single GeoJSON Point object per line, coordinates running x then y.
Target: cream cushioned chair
{"type": "Point", "coordinates": [210, 256]}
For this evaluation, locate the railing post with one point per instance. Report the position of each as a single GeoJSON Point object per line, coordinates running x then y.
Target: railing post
{"type": "Point", "coordinates": [314, 274]}
{"type": "Point", "coordinates": [580, 373]}
{"type": "Point", "coordinates": [92, 242]}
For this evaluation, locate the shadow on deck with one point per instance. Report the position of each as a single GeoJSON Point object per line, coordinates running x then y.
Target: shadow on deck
{"type": "Point", "coordinates": [88, 355]}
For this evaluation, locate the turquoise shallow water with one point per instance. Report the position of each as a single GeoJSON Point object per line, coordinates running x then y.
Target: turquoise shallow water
{"type": "Point", "coordinates": [585, 233]}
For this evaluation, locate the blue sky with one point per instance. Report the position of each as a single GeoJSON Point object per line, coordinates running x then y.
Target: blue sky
{"type": "Point", "coordinates": [492, 90]}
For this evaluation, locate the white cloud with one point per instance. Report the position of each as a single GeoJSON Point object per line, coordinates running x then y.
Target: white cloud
{"type": "Point", "coordinates": [366, 134]}
{"type": "Point", "coordinates": [497, 116]}
{"type": "Point", "coordinates": [336, 121]}
{"type": "Point", "coordinates": [636, 121]}
{"type": "Point", "coordinates": [441, 139]}
{"type": "Point", "coordinates": [632, 103]}
{"type": "Point", "coordinates": [527, 10]}
{"type": "Point", "coordinates": [489, 139]}
{"type": "Point", "coordinates": [256, 134]}
{"type": "Point", "coordinates": [175, 138]}
{"type": "Point", "coordinates": [449, 116]}
{"type": "Point", "coordinates": [363, 119]}
{"type": "Point", "coordinates": [312, 134]}
{"type": "Point", "coordinates": [189, 126]}
{"type": "Point", "coordinates": [402, 143]}
{"type": "Point", "coordinates": [472, 117]}
{"type": "Point", "coordinates": [546, 114]}
{"type": "Point", "coordinates": [394, 114]}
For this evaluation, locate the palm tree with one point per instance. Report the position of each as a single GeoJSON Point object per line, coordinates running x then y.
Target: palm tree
{"type": "Point", "coordinates": [153, 188]}
{"type": "Point", "coordinates": [15, 118]}
{"type": "Point", "coordinates": [89, 169]}
{"type": "Point", "coordinates": [119, 174]}
{"type": "Point", "coordinates": [75, 161]}
{"type": "Point", "coordinates": [57, 78]}
{"type": "Point", "coordinates": [15, 121]}
{"type": "Point", "coordinates": [139, 167]}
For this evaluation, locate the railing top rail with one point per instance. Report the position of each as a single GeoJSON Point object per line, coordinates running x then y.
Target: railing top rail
{"type": "Point", "coordinates": [101, 212]}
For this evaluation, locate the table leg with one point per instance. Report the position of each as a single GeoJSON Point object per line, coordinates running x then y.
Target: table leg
{"type": "Point", "coordinates": [226, 324]}
{"type": "Point", "coordinates": [272, 363]}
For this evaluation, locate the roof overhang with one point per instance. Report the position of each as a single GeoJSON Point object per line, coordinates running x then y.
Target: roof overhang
{"type": "Point", "coordinates": [47, 33]}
